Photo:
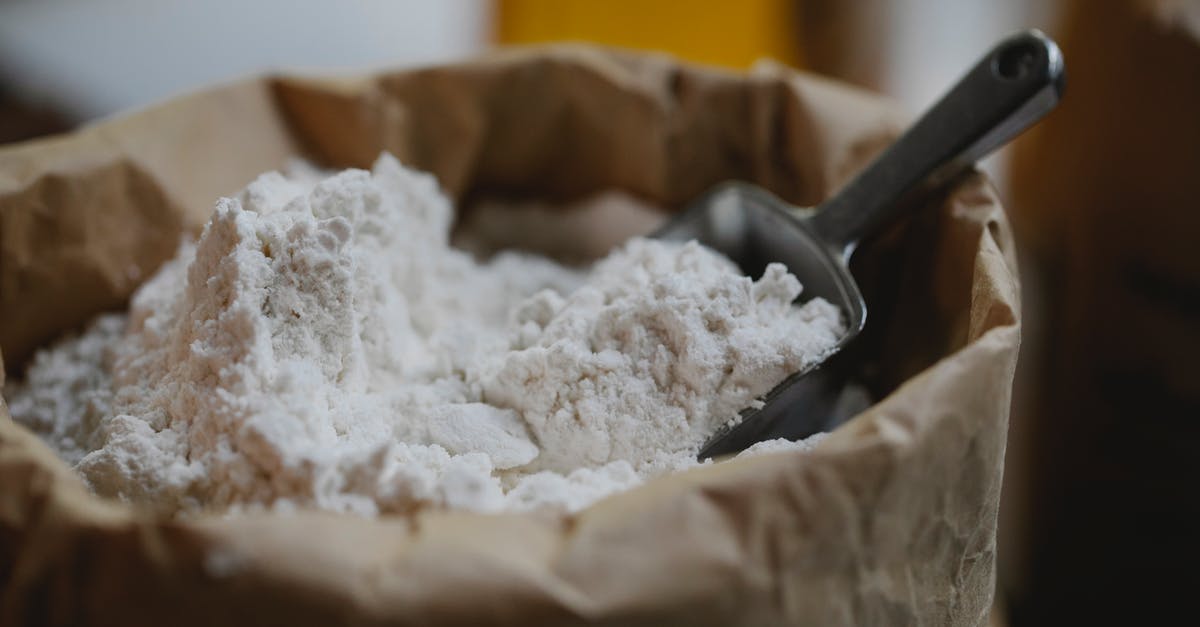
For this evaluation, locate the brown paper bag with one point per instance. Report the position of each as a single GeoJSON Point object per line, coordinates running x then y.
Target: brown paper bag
{"type": "Point", "coordinates": [891, 520]}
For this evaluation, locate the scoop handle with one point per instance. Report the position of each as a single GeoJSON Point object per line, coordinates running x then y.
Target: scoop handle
{"type": "Point", "coordinates": [1013, 86]}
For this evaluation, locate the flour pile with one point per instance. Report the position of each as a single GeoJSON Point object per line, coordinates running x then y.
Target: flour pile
{"type": "Point", "coordinates": [322, 345]}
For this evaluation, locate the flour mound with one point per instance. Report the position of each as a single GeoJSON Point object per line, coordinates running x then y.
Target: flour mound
{"type": "Point", "coordinates": [322, 345]}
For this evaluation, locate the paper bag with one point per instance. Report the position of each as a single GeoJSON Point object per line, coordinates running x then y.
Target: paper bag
{"type": "Point", "coordinates": [890, 520]}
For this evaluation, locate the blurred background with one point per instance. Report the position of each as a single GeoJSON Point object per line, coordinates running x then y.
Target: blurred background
{"type": "Point", "coordinates": [1099, 520]}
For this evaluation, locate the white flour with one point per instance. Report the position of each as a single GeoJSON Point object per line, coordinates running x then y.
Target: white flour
{"type": "Point", "coordinates": [322, 345]}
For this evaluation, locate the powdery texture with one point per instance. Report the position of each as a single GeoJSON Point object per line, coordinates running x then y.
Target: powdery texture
{"type": "Point", "coordinates": [322, 345]}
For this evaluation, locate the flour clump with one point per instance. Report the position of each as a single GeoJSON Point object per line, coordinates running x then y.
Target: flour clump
{"type": "Point", "coordinates": [322, 344]}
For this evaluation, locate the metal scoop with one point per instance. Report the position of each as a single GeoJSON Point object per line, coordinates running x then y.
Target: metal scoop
{"type": "Point", "coordinates": [1015, 85]}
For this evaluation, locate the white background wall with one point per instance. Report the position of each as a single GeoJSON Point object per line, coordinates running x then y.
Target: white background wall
{"type": "Point", "coordinates": [91, 58]}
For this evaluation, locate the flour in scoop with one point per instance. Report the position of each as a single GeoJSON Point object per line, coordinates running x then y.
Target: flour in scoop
{"type": "Point", "coordinates": [321, 345]}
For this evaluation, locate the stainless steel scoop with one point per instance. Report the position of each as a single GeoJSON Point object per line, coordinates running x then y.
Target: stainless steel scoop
{"type": "Point", "coordinates": [1012, 87]}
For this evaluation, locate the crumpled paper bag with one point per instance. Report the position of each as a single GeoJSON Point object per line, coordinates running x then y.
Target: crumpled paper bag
{"type": "Point", "coordinates": [890, 520]}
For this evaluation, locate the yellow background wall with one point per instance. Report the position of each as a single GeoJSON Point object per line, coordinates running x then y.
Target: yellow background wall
{"type": "Point", "coordinates": [720, 32]}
